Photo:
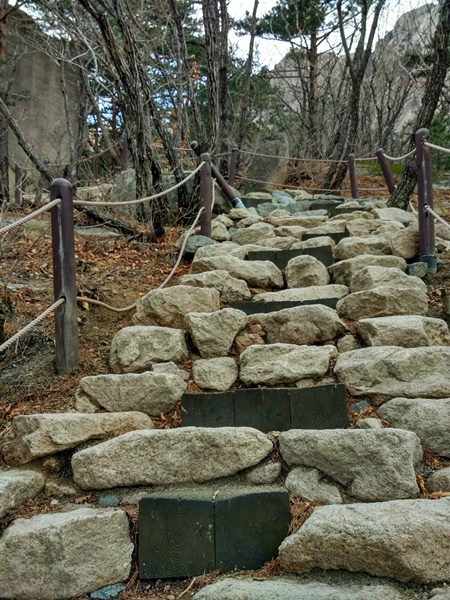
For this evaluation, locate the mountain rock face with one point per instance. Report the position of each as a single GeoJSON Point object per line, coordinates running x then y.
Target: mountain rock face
{"type": "Point", "coordinates": [391, 91]}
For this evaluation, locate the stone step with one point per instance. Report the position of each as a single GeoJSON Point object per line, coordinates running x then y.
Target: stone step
{"type": "Point", "coordinates": [269, 409]}
{"type": "Point", "coordinates": [337, 236]}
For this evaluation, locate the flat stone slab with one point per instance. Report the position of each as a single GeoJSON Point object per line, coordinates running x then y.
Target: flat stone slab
{"type": "Point", "coordinates": [257, 273]}
{"type": "Point", "coordinates": [149, 393]}
{"type": "Point", "coordinates": [162, 457]}
{"type": "Point", "coordinates": [229, 288]}
{"type": "Point", "coordinates": [427, 418]}
{"type": "Point", "coordinates": [332, 587]}
{"type": "Point", "coordinates": [385, 372]}
{"type": "Point", "coordinates": [35, 436]}
{"type": "Point", "coordinates": [371, 465]}
{"type": "Point", "coordinates": [343, 271]}
{"type": "Point", "coordinates": [18, 485]}
{"type": "Point", "coordinates": [383, 301]}
{"type": "Point", "coordinates": [280, 258]}
{"type": "Point", "coordinates": [355, 246]}
{"type": "Point", "coordinates": [167, 307]}
{"type": "Point", "coordinates": [275, 364]}
{"type": "Point", "coordinates": [301, 325]}
{"type": "Point", "coordinates": [373, 276]}
{"type": "Point", "coordinates": [136, 349]}
{"type": "Point", "coordinates": [406, 540]}
{"type": "Point", "coordinates": [409, 331]}
{"type": "Point", "coordinates": [64, 555]}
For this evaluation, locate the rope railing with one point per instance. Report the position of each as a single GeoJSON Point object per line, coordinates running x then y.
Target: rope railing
{"type": "Point", "coordinates": [311, 160]}
{"type": "Point", "coordinates": [32, 215]}
{"type": "Point", "coordinates": [140, 200]}
{"type": "Point", "coordinates": [12, 340]}
{"type": "Point", "coordinates": [436, 216]}
{"type": "Point", "coordinates": [398, 158]}
{"type": "Point", "coordinates": [435, 147]}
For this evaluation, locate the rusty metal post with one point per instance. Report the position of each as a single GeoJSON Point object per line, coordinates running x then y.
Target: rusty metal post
{"type": "Point", "coordinates": [352, 175]}
{"type": "Point", "coordinates": [233, 164]}
{"type": "Point", "coordinates": [427, 250]}
{"type": "Point", "coordinates": [386, 170]}
{"type": "Point", "coordinates": [18, 177]}
{"type": "Point", "coordinates": [226, 189]}
{"type": "Point", "coordinates": [125, 155]}
{"type": "Point", "coordinates": [64, 277]}
{"type": "Point", "coordinates": [206, 195]}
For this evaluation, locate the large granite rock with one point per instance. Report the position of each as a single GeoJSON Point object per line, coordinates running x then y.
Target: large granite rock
{"type": "Point", "coordinates": [409, 331]}
{"type": "Point", "coordinates": [385, 372]}
{"type": "Point", "coordinates": [293, 231]}
{"type": "Point", "coordinates": [166, 456]}
{"type": "Point", "coordinates": [213, 333]}
{"type": "Point", "coordinates": [34, 436]}
{"type": "Point", "coordinates": [395, 214]}
{"type": "Point", "coordinates": [254, 233]}
{"type": "Point", "coordinates": [290, 588]}
{"type": "Point", "coordinates": [439, 481]}
{"type": "Point", "coordinates": [373, 276]}
{"type": "Point", "coordinates": [63, 555]}
{"type": "Point", "coordinates": [383, 301]}
{"type": "Point", "coordinates": [361, 227]}
{"type": "Point", "coordinates": [219, 231]}
{"type": "Point", "coordinates": [292, 221]}
{"type": "Point", "coordinates": [276, 243]}
{"type": "Point", "coordinates": [372, 465]}
{"type": "Point", "coordinates": [229, 288]}
{"type": "Point", "coordinates": [309, 324]}
{"type": "Point", "coordinates": [149, 393]}
{"type": "Point", "coordinates": [312, 292]}
{"type": "Point", "coordinates": [314, 242]}
{"type": "Point", "coordinates": [405, 242]}
{"type": "Point", "coordinates": [428, 418]}
{"type": "Point", "coordinates": [284, 363]}
{"type": "Point", "coordinates": [405, 540]}
{"type": "Point", "coordinates": [311, 485]}
{"type": "Point", "coordinates": [167, 307]}
{"type": "Point", "coordinates": [216, 374]}
{"type": "Point", "coordinates": [224, 249]}
{"type": "Point", "coordinates": [16, 486]}
{"type": "Point", "coordinates": [343, 271]}
{"type": "Point", "coordinates": [257, 273]}
{"type": "Point", "coordinates": [355, 246]}
{"type": "Point", "coordinates": [136, 349]}
{"type": "Point", "coordinates": [305, 270]}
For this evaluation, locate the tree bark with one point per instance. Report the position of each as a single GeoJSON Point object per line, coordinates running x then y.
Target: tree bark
{"type": "Point", "coordinates": [434, 85]}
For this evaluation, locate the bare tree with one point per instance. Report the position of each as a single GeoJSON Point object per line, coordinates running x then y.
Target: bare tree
{"type": "Point", "coordinates": [433, 89]}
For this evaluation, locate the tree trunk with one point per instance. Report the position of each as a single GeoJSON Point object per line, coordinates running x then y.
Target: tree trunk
{"type": "Point", "coordinates": [4, 154]}
{"type": "Point", "coordinates": [435, 82]}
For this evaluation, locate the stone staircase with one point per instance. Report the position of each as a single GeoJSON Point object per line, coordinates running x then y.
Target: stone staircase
{"type": "Point", "coordinates": [297, 362]}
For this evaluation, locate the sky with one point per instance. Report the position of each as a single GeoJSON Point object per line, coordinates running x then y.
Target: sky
{"type": "Point", "coordinates": [271, 52]}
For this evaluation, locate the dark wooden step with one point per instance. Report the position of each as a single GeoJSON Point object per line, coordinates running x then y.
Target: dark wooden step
{"type": "Point", "coordinates": [269, 409]}
{"type": "Point", "coordinates": [184, 533]}
{"type": "Point", "coordinates": [281, 257]}
{"type": "Point", "coordinates": [252, 308]}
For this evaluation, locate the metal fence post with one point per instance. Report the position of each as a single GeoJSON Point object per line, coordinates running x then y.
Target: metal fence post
{"type": "Point", "coordinates": [64, 277]}
{"type": "Point", "coordinates": [427, 251]}
{"type": "Point", "coordinates": [206, 195]}
{"type": "Point", "coordinates": [386, 170]}
{"type": "Point", "coordinates": [352, 175]}
{"type": "Point", "coordinates": [233, 164]}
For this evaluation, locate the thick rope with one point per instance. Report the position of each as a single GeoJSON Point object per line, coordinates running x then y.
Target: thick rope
{"type": "Point", "coordinates": [313, 160]}
{"type": "Point", "coordinates": [26, 329]}
{"type": "Point", "coordinates": [399, 157]}
{"type": "Point", "coordinates": [365, 159]}
{"type": "Point", "coordinates": [447, 150]}
{"type": "Point", "coordinates": [30, 216]}
{"type": "Point", "coordinates": [436, 216]}
{"type": "Point", "coordinates": [411, 206]}
{"type": "Point", "coordinates": [146, 199]}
